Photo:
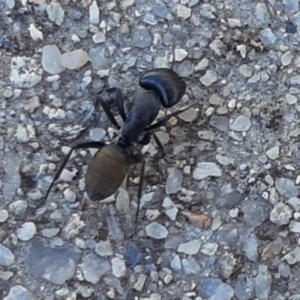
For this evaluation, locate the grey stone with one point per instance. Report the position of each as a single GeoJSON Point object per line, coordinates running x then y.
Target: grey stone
{"type": "Point", "coordinates": [55, 13]}
{"type": "Point", "coordinates": [293, 256]}
{"type": "Point", "coordinates": [18, 208]}
{"type": "Point", "coordinates": [113, 224]}
{"type": "Point", "coordinates": [174, 181]}
{"type": "Point", "coordinates": [46, 262]}
{"type": "Point", "coordinates": [99, 37]}
{"type": "Point", "coordinates": [224, 160]}
{"type": "Point", "coordinates": [206, 169]}
{"type": "Point", "coordinates": [272, 250]}
{"type": "Point", "coordinates": [206, 135]}
{"type": "Point", "coordinates": [6, 256]}
{"type": "Point", "coordinates": [141, 38]}
{"type": "Point", "coordinates": [26, 231]}
{"type": "Point", "coordinates": [292, 5]}
{"type": "Point", "coordinates": [209, 78]}
{"type": "Point", "coordinates": [291, 99]}
{"type": "Point", "coordinates": [287, 58]}
{"type": "Point", "coordinates": [161, 11]}
{"type": "Point", "coordinates": [156, 231]}
{"type": "Point", "coordinates": [241, 123]}
{"type": "Point", "coordinates": [122, 201]}
{"type": "Point", "coordinates": [286, 187]}
{"type": "Point", "coordinates": [294, 203]}
{"type": "Point", "coordinates": [18, 292]}
{"type": "Point", "coordinates": [176, 263]}
{"type": "Point", "coordinates": [294, 226]}
{"type": "Point", "coordinates": [190, 248]}
{"type": "Point", "coordinates": [51, 57]}
{"type": "Point", "coordinates": [208, 11]}
{"type": "Point", "coordinates": [3, 215]}
{"type": "Point", "coordinates": [104, 248]}
{"type": "Point", "coordinates": [246, 70]}
{"type": "Point", "coordinates": [11, 178]}
{"type": "Point", "coordinates": [170, 209]}
{"type": "Point", "coordinates": [295, 80]}
{"type": "Point", "coordinates": [209, 249]}
{"type": "Point", "coordinates": [267, 36]}
{"type": "Point", "coordinates": [93, 268]}
{"type": "Point", "coordinates": [220, 123]}
{"type": "Point", "coordinates": [273, 153]}
{"type": "Point", "coordinates": [262, 13]}
{"type": "Point", "coordinates": [215, 289]}
{"type": "Point", "coordinates": [97, 58]}
{"type": "Point", "coordinates": [254, 213]}
{"type": "Point", "coordinates": [281, 214]}
{"type": "Point", "coordinates": [250, 247]}
{"type": "Point", "coordinates": [150, 19]}
{"type": "Point", "coordinates": [50, 232]}
{"type": "Point", "coordinates": [244, 288]}
{"type": "Point", "coordinates": [94, 13]}
{"type": "Point", "coordinates": [118, 267]}
{"type": "Point", "coordinates": [263, 283]}
{"type": "Point", "coordinates": [284, 270]}
{"type": "Point", "coordinates": [183, 11]}
{"type": "Point", "coordinates": [218, 47]}
{"type": "Point", "coordinates": [10, 3]}
{"type": "Point", "coordinates": [190, 266]}
{"type": "Point", "coordinates": [189, 115]}
{"type": "Point", "coordinates": [185, 69]}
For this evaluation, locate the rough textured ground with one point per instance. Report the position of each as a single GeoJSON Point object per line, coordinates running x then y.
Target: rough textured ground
{"type": "Point", "coordinates": [220, 216]}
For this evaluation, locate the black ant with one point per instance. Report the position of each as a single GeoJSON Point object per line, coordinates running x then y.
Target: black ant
{"type": "Point", "coordinates": [110, 165]}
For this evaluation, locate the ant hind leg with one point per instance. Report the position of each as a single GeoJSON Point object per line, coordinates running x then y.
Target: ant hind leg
{"type": "Point", "coordinates": [96, 145]}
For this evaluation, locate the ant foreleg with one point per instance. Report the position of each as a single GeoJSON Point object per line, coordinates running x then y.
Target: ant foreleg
{"type": "Point", "coordinates": [106, 109]}
{"type": "Point", "coordinates": [120, 104]}
{"type": "Point", "coordinates": [166, 119]}
{"type": "Point", "coordinates": [119, 100]}
{"type": "Point", "coordinates": [159, 144]}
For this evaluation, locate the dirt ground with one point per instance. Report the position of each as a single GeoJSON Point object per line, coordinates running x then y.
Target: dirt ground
{"type": "Point", "coordinates": [220, 212]}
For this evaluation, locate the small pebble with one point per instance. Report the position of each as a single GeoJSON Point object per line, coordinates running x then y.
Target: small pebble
{"type": "Point", "coordinates": [190, 248]}
{"type": "Point", "coordinates": [281, 214]}
{"type": "Point", "coordinates": [156, 231]}
{"type": "Point", "coordinates": [118, 267]}
{"type": "Point", "coordinates": [94, 13]}
{"type": "Point", "coordinates": [3, 215]}
{"type": "Point", "coordinates": [74, 60]}
{"type": "Point", "coordinates": [183, 11]}
{"type": "Point", "coordinates": [206, 169]}
{"type": "Point", "coordinates": [27, 231]}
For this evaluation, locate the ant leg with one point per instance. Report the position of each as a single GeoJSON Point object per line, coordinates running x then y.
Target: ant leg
{"type": "Point", "coordinates": [166, 119]}
{"type": "Point", "coordinates": [106, 109]}
{"type": "Point", "coordinates": [119, 100]}
{"type": "Point", "coordinates": [159, 144]}
{"type": "Point", "coordinates": [97, 145]}
{"type": "Point", "coordinates": [120, 104]}
{"type": "Point", "coordinates": [139, 194]}
{"type": "Point", "coordinates": [146, 140]}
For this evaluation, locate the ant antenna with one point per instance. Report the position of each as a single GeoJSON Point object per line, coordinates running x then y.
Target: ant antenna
{"type": "Point", "coordinates": [174, 41]}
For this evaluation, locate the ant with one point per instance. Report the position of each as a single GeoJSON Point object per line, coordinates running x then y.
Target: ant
{"type": "Point", "coordinates": [109, 166]}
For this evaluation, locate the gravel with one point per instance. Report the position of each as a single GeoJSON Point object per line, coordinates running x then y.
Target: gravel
{"type": "Point", "coordinates": [219, 215]}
